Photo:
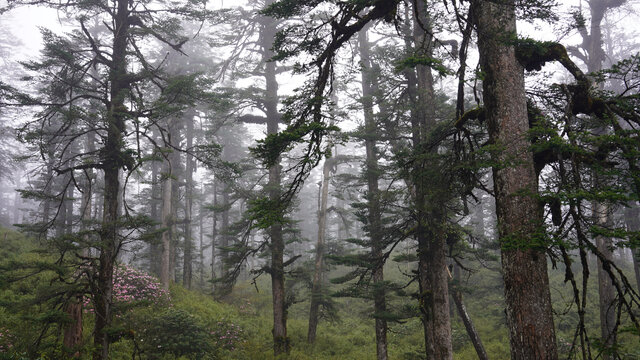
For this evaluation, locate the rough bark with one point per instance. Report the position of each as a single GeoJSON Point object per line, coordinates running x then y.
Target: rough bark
{"type": "Point", "coordinates": [430, 230]}
{"type": "Point", "coordinates": [524, 263]}
{"type": "Point", "coordinates": [316, 289]}
{"type": "Point", "coordinates": [373, 193]}
{"type": "Point", "coordinates": [72, 337]}
{"type": "Point", "coordinates": [115, 125]}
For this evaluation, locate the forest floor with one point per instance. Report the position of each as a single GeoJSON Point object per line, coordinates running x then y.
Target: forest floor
{"type": "Point", "coordinates": [239, 326]}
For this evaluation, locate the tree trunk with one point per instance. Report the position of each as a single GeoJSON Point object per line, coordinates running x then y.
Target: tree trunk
{"type": "Point", "coordinates": [592, 44]}
{"type": "Point", "coordinates": [201, 236]}
{"type": "Point", "coordinates": [280, 339]}
{"type": "Point", "coordinates": [155, 251]}
{"type": "Point", "coordinates": [167, 223]}
{"type": "Point", "coordinates": [113, 160]}
{"type": "Point", "coordinates": [524, 263]}
{"type": "Point", "coordinates": [468, 325]}
{"type": "Point", "coordinates": [214, 233]}
{"type": "Point", "coordinates": [188, 195]}
{"type": "Point", "coordinates": [316, 290]}
{"type": "Point", "coordinates": [373, 198]}
{"type": "Point", "coordinates": [73, 332]}
{"type": "Point", "coordinates": [431, 217]}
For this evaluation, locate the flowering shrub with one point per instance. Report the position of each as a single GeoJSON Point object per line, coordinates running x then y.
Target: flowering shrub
{"type": "Point", "coordinates": [132, 286]}
{"type": "Point", "coordinates": [6, 340]}
{"type": "Point", "coordinates": [227, 336]}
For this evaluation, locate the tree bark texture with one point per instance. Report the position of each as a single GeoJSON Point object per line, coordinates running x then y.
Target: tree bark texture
{"type": "Point", "coordinates": [524, 263]}
{"type": "Point", "coordinates": [431, 218]}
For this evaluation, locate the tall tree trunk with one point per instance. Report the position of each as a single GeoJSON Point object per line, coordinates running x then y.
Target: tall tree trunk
{"type": "Point", "coordinates": [73, 331]}
{"type": "Point", "coordinates": [524, 262]}
{"type": "Point", "coordinates": [167, 221]}
{"type": "Point", "coordinates": [201, 236]}
{"type": "Point", "coordinates": [606, 291]}
{"type": "Point", "coordinates": [316, 290]}
{"type": "Point", "coordinates": [592, 44]}
{"type": "Point", "coordinates": [188, 195]}
{"type": "Point", "coordinates": [431, 227]}
{"type": "Point", "coordinates": [177, 173]}
{"type": "Point", "coordinates": [113, 160]}
{"type": "Point", "coordinates": [280, 338]}
{"type": "Point", "coordinates": [155, 251]}
{"type": "Point", "coordinates": [373, 198]}
{"type": "Point", "coordinates": [214, 232]}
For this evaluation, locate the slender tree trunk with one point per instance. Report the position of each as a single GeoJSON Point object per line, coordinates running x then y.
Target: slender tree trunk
{"type": "Point", "coordinates": [373, 194]}
{"type": "Point", "coordinates": [431, 227]}
{"type": "Point", "coordinates": [177, 173]}
{"type": "Point", "coordinates": [73, 331]}
{"type": "Point", "coordinates": [592, 44]}
{"type": "Point", "coordinates": [201, 236]}
{"type": "Point", "coordinates": [468, 325]}
{"type": "Point", "coordinates": [224, 240]}
{"type": "Point", "coordinates": [524, 262]}
{"type": "Point", "coordinates": [167, 223]}
{"type": "Point", "coordinates": [606, 291]}
{"type": "Point", "coordinates": [280, 338]}
{"type": "Point", "coordinates": [155, 252]}
{"type": "Point", "coordinates": [214, 233]}
{"type": "Point", "coordinates": [188, 195]}
{"type": "Point", "coordinates": [316, 290]}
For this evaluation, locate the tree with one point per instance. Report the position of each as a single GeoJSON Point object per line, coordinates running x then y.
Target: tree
{"type": "Point", "coordinates": [67, 69]}
{"type": "Point", "coordinates": [524, 263]}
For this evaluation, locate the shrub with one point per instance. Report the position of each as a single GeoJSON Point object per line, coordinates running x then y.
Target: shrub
{"type": "Point", "coordinates": [174, 332]}
{"type": "Point", "coordinates": [132, 287]}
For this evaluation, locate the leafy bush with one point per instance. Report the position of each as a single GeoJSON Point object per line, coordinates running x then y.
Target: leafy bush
{"type": "Point", "coordinates": [174, 332]}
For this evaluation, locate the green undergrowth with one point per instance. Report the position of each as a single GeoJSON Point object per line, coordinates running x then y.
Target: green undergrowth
{"type": "Point", "coordinates": [196, 326]}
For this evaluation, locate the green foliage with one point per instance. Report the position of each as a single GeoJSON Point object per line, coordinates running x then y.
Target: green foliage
{"type": "Point", "coordinates": [175, 332]}
{"type": "Point", "coordinates": [433, 63]}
